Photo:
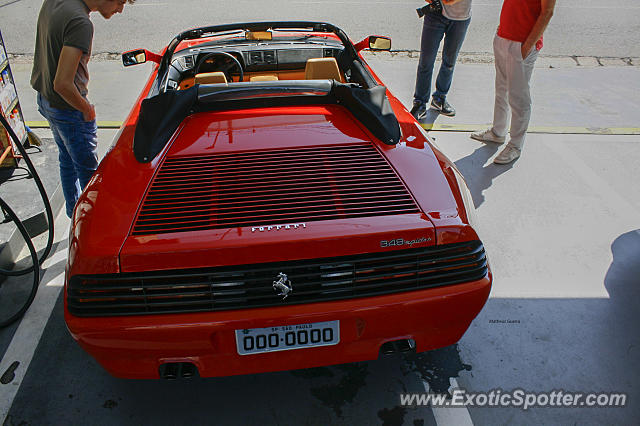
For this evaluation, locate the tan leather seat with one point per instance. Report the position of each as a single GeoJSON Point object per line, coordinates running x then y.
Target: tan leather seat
{"type": "Point", "coordinates": [210, 78]}
{"type": "Point", "coordinates": [322, 69]}
{"type": "Point", "coordinates": [263, 78]}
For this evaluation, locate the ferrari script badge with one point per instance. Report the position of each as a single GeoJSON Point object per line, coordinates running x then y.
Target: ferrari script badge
{"type": "Point", "coordinates": [283, 285]}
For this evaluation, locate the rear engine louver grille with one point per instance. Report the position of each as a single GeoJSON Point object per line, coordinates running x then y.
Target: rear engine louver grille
{"type": "Point", "coordinates": [271, 187]}
{"type": "Point", "coordinates": [251, 286]}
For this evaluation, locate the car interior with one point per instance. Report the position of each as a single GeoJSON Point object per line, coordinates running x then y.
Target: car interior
{"type": "Point", "coordinates": [209, 66]}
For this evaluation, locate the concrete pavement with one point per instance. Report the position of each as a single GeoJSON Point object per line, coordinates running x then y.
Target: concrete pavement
{"type": "Point", "coordinates": [579, 27]}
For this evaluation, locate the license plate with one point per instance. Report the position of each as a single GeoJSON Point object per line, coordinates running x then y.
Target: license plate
{"type": "Point", "coordinates": [287, 337]}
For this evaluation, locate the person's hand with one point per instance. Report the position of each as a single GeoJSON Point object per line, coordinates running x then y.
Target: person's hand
{"type": "Point", "coordinates": [90, 113]}
{"type": "Point", "coordinates": [524, 50]}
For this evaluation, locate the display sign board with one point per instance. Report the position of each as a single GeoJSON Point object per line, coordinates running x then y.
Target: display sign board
{"type": "Point", "coordinates": [10, 109]}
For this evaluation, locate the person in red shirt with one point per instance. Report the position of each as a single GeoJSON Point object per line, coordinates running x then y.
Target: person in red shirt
{"type": "Point", "coordinates": [515, 47]}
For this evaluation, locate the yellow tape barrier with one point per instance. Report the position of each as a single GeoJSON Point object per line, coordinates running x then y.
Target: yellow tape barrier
{"type": "Point", "coordinates": [101, 124]}
{"type": "Point", "coordinates": [559, 130]}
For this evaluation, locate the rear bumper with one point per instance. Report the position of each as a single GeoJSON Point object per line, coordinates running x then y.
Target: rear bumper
{"type": "Point", "coordinates": [135, 346]}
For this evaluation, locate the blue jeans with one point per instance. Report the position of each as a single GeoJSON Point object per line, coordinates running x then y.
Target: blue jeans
{"type": "Point", "coordinates": [77, 142]}
{"type": "Point", "coordinates": [434, 28]}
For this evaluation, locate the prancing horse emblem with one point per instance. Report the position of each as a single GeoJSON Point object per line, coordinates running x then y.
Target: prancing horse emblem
{"type": "Point", "coordinates": [283, 285]}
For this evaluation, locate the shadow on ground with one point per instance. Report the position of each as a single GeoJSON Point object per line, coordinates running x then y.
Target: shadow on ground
{"type": "Point", "coordinates": [479, 176]}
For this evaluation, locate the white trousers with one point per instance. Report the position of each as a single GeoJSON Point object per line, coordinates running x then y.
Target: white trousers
{"type": "Point", "coordinates": [512, 89]}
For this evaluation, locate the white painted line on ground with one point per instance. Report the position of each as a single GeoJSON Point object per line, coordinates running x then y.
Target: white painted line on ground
{"type": "Point", "coordinates": [450, 416]}
{"type": "Point", "coordinates": [27, 336]}
{"type": "Point", "coordinates": [57, 281]}
{"type": "Point", "coordinates": [56, 258]}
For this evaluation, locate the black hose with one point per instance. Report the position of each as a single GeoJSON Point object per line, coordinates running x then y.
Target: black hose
{"type": "Point", "coordinates": [45, 200]}
{"type": "Point", "coordinates": [34, 259]}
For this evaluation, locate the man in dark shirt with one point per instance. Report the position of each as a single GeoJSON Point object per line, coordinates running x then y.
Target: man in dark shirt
{"type": "Point", "coordinates": [61, 77]}
{"type": "Point", "coordinates": [451, 24]}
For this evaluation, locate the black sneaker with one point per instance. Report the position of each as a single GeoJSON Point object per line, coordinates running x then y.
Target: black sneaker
{"type": "Point", "coordinates": [419, 110]}
{"type": "Point", "coordinates": [443, 107]}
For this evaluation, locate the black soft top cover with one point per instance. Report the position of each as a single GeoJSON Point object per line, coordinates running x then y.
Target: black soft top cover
{"type": "Point", "coordinates": [161, 115]}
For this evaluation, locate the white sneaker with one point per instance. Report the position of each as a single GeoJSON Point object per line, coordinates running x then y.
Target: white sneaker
{"type": "Point", "coordinates": [508, 154]}
{"type": "Point", "coordinates": [487, 136]}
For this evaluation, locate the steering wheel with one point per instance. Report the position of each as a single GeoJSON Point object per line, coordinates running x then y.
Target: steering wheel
{"type": "Point", "coordinates": [223, 63]}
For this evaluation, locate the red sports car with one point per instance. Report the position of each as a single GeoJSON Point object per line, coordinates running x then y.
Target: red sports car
{"type": "Point", "coordinates": [269, 205]}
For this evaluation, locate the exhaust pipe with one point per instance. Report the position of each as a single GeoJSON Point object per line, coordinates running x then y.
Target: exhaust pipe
{"type": "Point", "coordinates": [175, 370]}
{"type": "Point", "coordinates": [188, 370]}
{"type": "Point", "coordinates": [398, 346]}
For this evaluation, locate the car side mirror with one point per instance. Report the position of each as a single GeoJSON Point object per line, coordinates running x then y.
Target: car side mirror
{"type": "Point", "coordinates": [134, 57]}
{"type": "Point", "coordinates": [374, 43]}
{"type": "Point", "coordinates": [139, 56]}
{"type": "Point", "coordinates": [379, 43]}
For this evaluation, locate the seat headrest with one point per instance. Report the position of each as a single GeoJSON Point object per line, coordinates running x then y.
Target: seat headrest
{"type": "Point", "coordinates": [263, 78]}
{"type": "Point", "coordinates": [322, 69]}
{"type": "Point", "coordinates": [210, 78]}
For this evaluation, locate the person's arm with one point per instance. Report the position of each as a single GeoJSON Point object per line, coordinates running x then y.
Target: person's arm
{"type": "Point", "coordinates": [64, 84]}
{"type": "Point", "coordinates": [546, 13]}
{"type": "Point", "coordinates": [450, 2]}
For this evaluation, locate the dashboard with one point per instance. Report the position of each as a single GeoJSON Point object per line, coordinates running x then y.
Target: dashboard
{"type": "Point", "coordinates": [257, 58]}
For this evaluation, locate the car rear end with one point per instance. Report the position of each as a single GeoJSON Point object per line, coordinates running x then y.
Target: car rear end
{"type": "Point", "coordinates": [275, 239]}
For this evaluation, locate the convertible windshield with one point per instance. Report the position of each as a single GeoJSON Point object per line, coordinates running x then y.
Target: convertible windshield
{"type": "Point", "coordinates": [238, 38]}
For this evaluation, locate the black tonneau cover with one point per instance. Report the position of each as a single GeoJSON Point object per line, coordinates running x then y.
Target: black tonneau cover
{"type": "Point", "coordinates": [161, 115]}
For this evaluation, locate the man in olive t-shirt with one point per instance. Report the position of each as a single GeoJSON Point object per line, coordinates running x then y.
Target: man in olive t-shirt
{"type": "Point", "coordinates": [61, 77]}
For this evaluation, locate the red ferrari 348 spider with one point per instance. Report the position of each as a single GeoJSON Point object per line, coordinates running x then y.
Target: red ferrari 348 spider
{"type": "Point", "coordinates": [269, 205]}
